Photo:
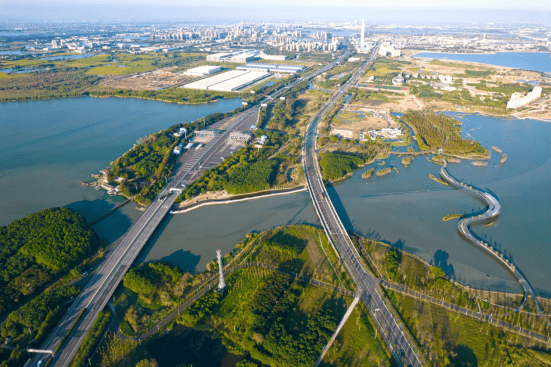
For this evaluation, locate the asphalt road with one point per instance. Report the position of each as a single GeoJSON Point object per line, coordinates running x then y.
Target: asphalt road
{"type": "Point", "coordinates": [400, 344]}
{"type": "Point", "coordinates": [104, 281]}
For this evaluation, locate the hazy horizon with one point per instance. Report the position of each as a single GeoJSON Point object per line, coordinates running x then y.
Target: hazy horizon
{"type": "Point", "coordinates": [30, 11]}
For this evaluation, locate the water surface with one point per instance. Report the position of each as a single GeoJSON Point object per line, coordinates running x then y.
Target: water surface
{"type": "Point", "coordinates": [519, 60]}
{"type": "Point", "coordinates": [47, 147]}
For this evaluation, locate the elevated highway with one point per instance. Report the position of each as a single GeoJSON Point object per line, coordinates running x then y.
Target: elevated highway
{"type": "Point", "coordinates": [368, 286]}
{"type": "Point", "coordinates": [104, 281]}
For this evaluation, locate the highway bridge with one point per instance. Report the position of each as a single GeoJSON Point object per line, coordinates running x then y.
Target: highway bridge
{"type": "Point", "coordinates": [368, 286]}
{"type": "Point", "coordinates": [104, 281]}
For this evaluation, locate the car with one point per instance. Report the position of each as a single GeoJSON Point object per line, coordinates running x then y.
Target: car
{"type": "Point", "coordinates": [163, 197]}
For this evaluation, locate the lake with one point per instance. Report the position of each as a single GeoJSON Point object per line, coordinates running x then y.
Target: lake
{"type": "Point", "coordinates": [405, 209]}
{"type": "Point", "coordinates": [47, 147]}
{"type": "Point", "coordinates": [519, 60]}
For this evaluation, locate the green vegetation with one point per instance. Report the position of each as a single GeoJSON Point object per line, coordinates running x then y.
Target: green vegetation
{"type": "Point", "coordinates": [335, 166]}
{"type": "Point", "coordinates": [175, 94]}
{"type": "Point", "coordinates": [451, 339]}
{"type": "Point", "coordinates": [38, 316]}
{"type": "Point", "coordinates": [75, 77]}
{"type": "Point", "coordinates": [359, 95]}
{"type": "Point", "coordinates": [357, 344]}
{"type": "Point", "coordinates": [333, 84]}
{"type": "Point", "coordinates": [145, 168]}
{"type": "Point", "coordinates": [434, 131]}
{"type": "Point", "coordinates": [38, 249]}
{"type": "Point", "coordinates": [435, 179]}
{"type": "Point", "coordinates": [384, 171]}
{"type": "Point", "coordinates": [406, 161]}
{"type": "Point", "coordinates": [452, 216]}
{"type": "Point", "coordinates": [367, 174]}
{"type": "Point", "coordinates": [92, 338]}
{"type": "Point", "coordinates": [47, 85]}
{"type": "Point", "coordinates": [251, 177]}
{"type": "Point", "coordinates": [249, 169]}
{"type": "Point", "coordinates": [384, 69]}
{"type": "Point", "coordinates": [150, 292]}
{"type": "Point", "coordinates": [285, 113]}
{"type": "Point", "coordinates": [121, 352]}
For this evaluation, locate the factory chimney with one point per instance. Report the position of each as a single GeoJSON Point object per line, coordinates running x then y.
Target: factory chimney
{"type": "Point", "coordinates": [362, 36]}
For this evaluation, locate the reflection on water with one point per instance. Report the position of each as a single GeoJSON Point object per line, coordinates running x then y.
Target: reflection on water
{"type": "Point", "coordinates": [405, 209]}
{"type": "Point", "coordinates": [190, 240]}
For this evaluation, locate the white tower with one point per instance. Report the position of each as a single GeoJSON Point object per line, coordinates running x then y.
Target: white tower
{"type": "Point", "coordinates": [221, 282]}
{"type": "Point", "coordinates": [362, 36]}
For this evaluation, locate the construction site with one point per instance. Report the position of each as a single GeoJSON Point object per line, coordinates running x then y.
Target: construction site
{"type": "Point", "coordinates": [151, 80]}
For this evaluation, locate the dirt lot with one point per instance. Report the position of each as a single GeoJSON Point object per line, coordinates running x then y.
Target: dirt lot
{"type": "Point", "coordinates": [355, 119]}
{"type": "Point", "coordinates": [158, 79]}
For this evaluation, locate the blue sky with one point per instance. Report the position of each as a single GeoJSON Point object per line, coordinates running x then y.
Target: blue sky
{"type": "Point", "coordinates": [390, 11]}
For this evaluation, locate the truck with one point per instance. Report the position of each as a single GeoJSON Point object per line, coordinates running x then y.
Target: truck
{"type": "Point", "coordinates": [199, 147]}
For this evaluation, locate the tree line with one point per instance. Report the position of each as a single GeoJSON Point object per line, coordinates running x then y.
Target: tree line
{"type": "Point", "coordinates": [39, 248]}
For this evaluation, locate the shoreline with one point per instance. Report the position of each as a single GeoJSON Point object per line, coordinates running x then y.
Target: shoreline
{"type": "Point", "coordinates": [238, 199]}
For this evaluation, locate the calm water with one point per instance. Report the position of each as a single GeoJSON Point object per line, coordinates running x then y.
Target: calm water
{"type": "Point", "coordinates": [66, 57]}
{"type": "Point", "coordinates": [405, 209]}
{"type": "Point", "coordinates": [520, 60]}
{"type": "Point", "coordinates": [190, 240]}
{"type": "Point", "coordinates": [47, 147]}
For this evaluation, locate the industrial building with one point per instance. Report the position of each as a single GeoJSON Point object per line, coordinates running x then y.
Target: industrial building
{"type": "Point", "coordinates": [272, 57]}
{"type": "Point", "coordinates": [292, 69]}
{"type": "Point", "coordinates": [518, 99]}
{"type": "Point", "coordinates": [242, 56]}
{"type": "Point", "coordinates": [203, 70]}
{"type": "Point", "coordinates": [229, 81]}
{"type": "Point", "coordinates": [240, 136]}
{"type": "Point", "coordinates": [389, 50]}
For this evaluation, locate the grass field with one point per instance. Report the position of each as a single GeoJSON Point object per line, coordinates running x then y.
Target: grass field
{"type": "Point", "coordinates": [451, 339]}
{"type": "Point", "coordinates": [357, 344]}
{"type": "Point", "coordinates": [118, 69]}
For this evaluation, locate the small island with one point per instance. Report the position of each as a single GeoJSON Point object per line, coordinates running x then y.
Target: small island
{"type": "Point", "coordinates": [503, 158]}
{"type": "Point", "coordinates": [432, 177]}
{"type": "Point", "coordinates": [384, 171]}
{"type": "Point", "coordinates": [452, 216]}
{"type": "Point", "coordinates": [367, 174]}
{"type": "Point", "coordinates": [406, 161]}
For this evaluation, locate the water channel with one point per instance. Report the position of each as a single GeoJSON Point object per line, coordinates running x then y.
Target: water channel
{"type": "Point", "coordinates": [49, 146]}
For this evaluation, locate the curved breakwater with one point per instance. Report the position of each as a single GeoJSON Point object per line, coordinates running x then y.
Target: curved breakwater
{"type": "Point", "coordinates": [494, 208]}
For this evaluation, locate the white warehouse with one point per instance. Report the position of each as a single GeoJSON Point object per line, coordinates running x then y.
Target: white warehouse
{"type": "Point", "coordinates": [203, 70]}
{"type": "Point", "coordinates": [230, 81]}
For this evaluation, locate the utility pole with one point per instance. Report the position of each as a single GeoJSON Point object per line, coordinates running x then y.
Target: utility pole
{"type": "Point", "coordinates": [221, 282]}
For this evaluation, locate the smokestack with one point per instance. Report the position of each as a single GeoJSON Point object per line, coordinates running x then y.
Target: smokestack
{"type": "Point", "coordinates": [362, 35]}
